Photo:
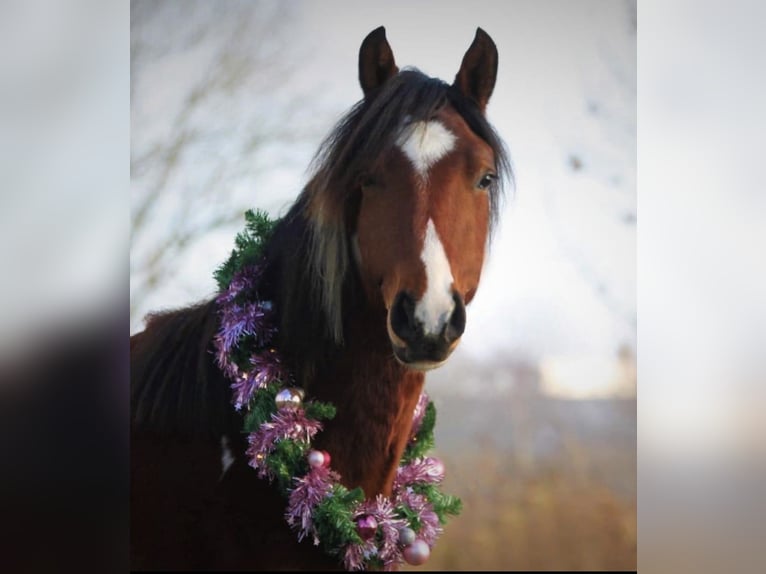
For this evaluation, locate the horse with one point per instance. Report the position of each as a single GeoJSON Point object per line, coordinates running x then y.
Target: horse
{"type": "Point", "coordinates": [369, 274]}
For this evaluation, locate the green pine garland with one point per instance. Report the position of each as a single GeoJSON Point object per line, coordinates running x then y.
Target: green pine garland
{"type": "Point", "coordinates": [249, 246]}
{"type": "Point", "coordinates": [424, 440]}
{"type": "Point", "coordinates": [333, 517]}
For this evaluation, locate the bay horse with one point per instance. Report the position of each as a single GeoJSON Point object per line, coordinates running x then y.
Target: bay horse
{"type": "Point", "coordinates": [369, 274]}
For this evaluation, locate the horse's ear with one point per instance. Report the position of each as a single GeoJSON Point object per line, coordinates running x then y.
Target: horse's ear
{"type": "Point", "coordinates": [476, 78]}
{"type": "Point", "coordinates": [376, 61]}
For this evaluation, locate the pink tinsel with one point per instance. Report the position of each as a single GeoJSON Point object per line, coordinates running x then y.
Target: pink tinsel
{"type": "Point", "coordinates": [418, 414]}
{"type": "Point", "coordinates": [428, 470]}
{"type": "Point", "coordinates": [309, 491]}
{"type": "Point", "coordinates": [242, 390]}
{"type": "Point", "coordinates": [430, 528]}
{"type": "Point", "coordinates": [241, 282]}
{"type": "Point", "coordinates": [382, 509]}
{"type": "Point", "coordinates": [266, 368]}
{"type": "Point", "coordinates": [356, 554]}
{"type": "Point", "coordinates": [240, 319]}
{"type": "Point", "coordinates": [284, 424]}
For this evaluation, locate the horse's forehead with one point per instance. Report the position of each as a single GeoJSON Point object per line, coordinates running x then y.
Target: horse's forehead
{"type": "Point", "coordinates": [425, 143]}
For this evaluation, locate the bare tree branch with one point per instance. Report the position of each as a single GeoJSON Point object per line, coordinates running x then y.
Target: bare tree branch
{"type": "Point", "coordinates": [199, 63]}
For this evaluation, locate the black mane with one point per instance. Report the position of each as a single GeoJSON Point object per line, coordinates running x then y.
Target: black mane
{"type": "Point", "coordinates": [175, 386]}
{"type": "Point", "coordinates": [372, 126]}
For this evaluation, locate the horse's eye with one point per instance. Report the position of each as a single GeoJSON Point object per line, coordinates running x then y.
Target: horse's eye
{"type": "Point", "coordinates": [486, 180]}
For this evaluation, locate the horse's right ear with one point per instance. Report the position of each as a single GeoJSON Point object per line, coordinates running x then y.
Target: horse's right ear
{"type": "Point", "coordinates": [376, 61]}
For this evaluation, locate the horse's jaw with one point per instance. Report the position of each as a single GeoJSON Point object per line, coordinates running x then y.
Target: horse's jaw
{"type": "Point", "coordinates": [422, 366]}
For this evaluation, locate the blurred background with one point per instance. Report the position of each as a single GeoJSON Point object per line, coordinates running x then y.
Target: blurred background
{"type": "Point", "coordinates": [537, 424]}
{"type": "Point", "coordinates": [65, 215]}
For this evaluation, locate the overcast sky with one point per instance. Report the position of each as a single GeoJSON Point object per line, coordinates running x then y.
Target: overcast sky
{"type": "Point", "coordinates": [560, 278]}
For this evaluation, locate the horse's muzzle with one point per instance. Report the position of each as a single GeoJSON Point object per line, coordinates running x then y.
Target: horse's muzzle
{"type": "Point", "coordinates": [413, 345]}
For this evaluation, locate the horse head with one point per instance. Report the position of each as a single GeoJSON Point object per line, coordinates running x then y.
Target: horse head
{"type": "Point", "coordinates": [420, 170]}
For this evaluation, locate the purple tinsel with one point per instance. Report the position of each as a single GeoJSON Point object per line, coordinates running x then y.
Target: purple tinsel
{"type": "Point", "coordinates": [430, 528]}
{"type": "Point", "coordinates": [382, 509]}
{"type": "Point", "coordinates": [284, 424]}
{"type": "Point", "coordinates": [418, 414]}
{"type": "Point", "coordinates": [309, 491]}
{"type": "Point", "coordinates": [237, 321]}
{"type": "Point", "coordinates": [356, 555]}
{"type": "Point", "coordinates": [242, 315]}
{"type": "Point", "coordinates": [241, 318]}
{"type": "Point", "coordinates": [243, 280]}
{"type": "Point", "coordinates": [266, 368]}
{"type": "Point", "coordinates": [243, 388]}
{"type": "Point", "coordinates": [428, 470]}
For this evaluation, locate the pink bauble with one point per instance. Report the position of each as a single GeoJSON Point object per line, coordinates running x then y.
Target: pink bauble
{"type": "Point", "coordinates": [315, 458]}
{"type": "Point", "coordinates": [417, 553]}
{"type": "Point", "coordinates": [437, 468]}
{"type": "Point", "coordinates": [366, 526]}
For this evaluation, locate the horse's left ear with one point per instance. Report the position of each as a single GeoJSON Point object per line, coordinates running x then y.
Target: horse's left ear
{"type": "Point", "coordinates": [476, 78]}
{"type": "Point", "coordinates": [376, 61]}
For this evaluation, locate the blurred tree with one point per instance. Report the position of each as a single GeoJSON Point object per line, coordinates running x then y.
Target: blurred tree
{"type": "Point", "coordinates": [211, 120]}
{"type": "Point", "coordinates": [599, 201]}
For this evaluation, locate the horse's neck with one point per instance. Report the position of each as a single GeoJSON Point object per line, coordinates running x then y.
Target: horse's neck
{"type": "Point", "coordinates": [375, 398]}
{"type": "Point", "coordinates": [373, 394]}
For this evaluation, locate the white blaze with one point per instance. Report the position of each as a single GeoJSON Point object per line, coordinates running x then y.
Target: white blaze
{"type": "Point", "coordinates": [436, 305]}
{"type": "Point", "coordinates": [425, 143]}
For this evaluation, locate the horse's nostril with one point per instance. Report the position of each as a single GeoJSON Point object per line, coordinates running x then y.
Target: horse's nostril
{"type": "Point", "coordinates": [403, 317]}
{"type": "Point", "coordinates": [456, 324]}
